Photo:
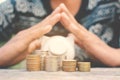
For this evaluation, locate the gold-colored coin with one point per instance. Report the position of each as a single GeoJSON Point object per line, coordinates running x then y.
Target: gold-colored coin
{"type": "Point", "coordinates": [69, 68]}
{"type": "Point", "coordinates": [33, 56]}
{"type": "Point", "coordinates": [33, 62]}
{"type": "Point", "coordinates": [84, 66]}
{"type": "Point", "coordinates": [69, 63]}
{"type": "Point", "coordinates": [42, 55]}
{"type": "Point", "coordinates": [33, 69]}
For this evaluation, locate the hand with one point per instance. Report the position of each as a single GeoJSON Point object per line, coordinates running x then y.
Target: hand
{"type": "Point", "coordinates": [26, 41]}
{"type": "Point", "coordinates": [69, 22]}
{"type": "Point", "coordinates": [90, 42]}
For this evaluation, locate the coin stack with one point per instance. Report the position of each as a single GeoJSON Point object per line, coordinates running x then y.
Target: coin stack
{"type": "Point", "coordinates": [84, 66]}
{"type": "Point", "coordinates": [43, 54]}
{"type": "Point", "coordinates": [51, 63]}
{"type": "Point", "coordinates": [69, 65]}
{"type": "Point", "coordinates": [33, 62]}
{"type": "Point", "coordinates": [42, 63]}
{"type": "Point", "coordinates": [42, 57]}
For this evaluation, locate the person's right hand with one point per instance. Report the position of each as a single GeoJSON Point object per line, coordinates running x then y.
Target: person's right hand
{"type": "Point", "coordinates": [26, 41]}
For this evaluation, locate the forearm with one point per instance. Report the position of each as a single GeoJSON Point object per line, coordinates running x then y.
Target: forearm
{"type": "Point", "coordinates": [97, 48]}
{"type": "Point", "coordinates": [7, 55]}
{"type": "Point", "coordinates": [90, 42]}
{"type": "Point", "coordinates": [17, 48]}
{"type": "Point", "coordinates": [14, 48]}
{"type": "Point", "coordinates": [18, 59]}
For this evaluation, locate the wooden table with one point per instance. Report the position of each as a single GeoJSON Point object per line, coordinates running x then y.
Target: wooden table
{"type": "Point", "coordinates": [95, 74]}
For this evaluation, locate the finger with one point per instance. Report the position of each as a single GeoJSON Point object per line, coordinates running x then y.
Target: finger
{"type": "Point", "coordinates": [37, 30]}
{"type": "Point", "coordinates": [48, 19]}
{"type": "Point", "coordinates": [68, 24]}
{"type": "Point", "coordinates": [55, 19]}
{"type": "Point", "coordinates": [65, 20]}
{"type": "Point", "coordinates": [34, 45]}
{"type": "Point", "coordinates": [41, 30]}
{"type": "Point", "coordinates": [77, 30]}
{"type": "Point", "coordinates": [43, 26]}
{"type": "Point", "coordinates": [64, 9]}
{"type": "Point", "coordinates": [57, 10]}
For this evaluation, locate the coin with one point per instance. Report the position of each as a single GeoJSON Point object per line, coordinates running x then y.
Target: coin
{"type": "Point", "coordinates": [69, 62]}
{"type": "Point", "coordinates": [69, 68]}
{"type": "Point", "coordinates": [51, 63]}
{"type": "Point", "coordinates": [33, 62]}
{"type": "Point", "coordinates": [84, 66]}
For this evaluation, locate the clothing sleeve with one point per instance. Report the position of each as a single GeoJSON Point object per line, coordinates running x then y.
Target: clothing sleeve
{"type": "Point", "coordinates": [7, 14]}
{"type": "Point", "coordinates": [16, 15]}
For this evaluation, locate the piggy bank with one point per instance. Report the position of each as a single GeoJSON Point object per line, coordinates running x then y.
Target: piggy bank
{"type": "Point", "coordinates": [59, 46]}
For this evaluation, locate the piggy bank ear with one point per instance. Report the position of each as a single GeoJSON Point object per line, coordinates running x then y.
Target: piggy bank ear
{"type": "Point", "coordinates": [43, 40]}
{"type": "Point", "coordinates": [70, 39]}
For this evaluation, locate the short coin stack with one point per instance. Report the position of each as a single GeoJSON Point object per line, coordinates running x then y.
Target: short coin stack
{"type": "Point", "coordinates": [69, 65]}
{"type": "Point", "coordinates": [84, 66]}
{"type": "Point", "coordinates": [51, 63]}
{"type": "Point", "coordinates": [33, 63]}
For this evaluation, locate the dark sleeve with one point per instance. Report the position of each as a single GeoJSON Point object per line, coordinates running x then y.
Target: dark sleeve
{"type": "Point", "coordinates": [7, 14]}
{"type": "Point", "coordinates": [16, 15]}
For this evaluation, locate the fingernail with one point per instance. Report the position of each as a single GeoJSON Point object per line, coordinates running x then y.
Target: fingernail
{"type": "Point", "coordinates": [62, 4]}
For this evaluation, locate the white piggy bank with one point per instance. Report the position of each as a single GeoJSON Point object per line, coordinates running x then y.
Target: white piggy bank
{"type": "Point", "coordinates": [58, 46]}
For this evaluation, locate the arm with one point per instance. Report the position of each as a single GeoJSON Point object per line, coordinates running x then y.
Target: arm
{"type": "Point", "coordinates": [90, 42]}
{"type": "Point", "coordinates": [25, 41]}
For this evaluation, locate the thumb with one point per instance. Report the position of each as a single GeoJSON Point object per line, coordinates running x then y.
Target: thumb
{"type": "Point", "coordinates": [34, 45]}
{"type": "Point", "coordinates": [47, 29]}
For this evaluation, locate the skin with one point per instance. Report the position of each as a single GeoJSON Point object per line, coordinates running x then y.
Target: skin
{"type": "Point", "coordinates": [94, 46]}
{"type": "Point", "coordinates": [72, 5]}
{"type": "Point", "coordinates": [88, 41]}
{"type": "Point", "coordinates": [16, 49]}
{"type": "Point", "coordinates": [23, 43]}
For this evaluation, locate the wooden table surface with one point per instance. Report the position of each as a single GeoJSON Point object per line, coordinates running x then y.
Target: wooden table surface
{"type": "Point", "coordinates": [94, 74]}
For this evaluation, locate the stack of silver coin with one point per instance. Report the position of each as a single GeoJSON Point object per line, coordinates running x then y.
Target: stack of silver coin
{"type": "Point", "coordinates": [51, 63]}
{"type": "Point", "coordinates": [43, 54]}
{"type": "Point", "coordinates": [33, 62]}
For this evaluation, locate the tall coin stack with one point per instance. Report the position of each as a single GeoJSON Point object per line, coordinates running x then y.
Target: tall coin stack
{"type": "Point", "coordinates": [33, 63]}
{"type": "Point", "coordinates": [42, 57]}
{"type": "Point", "coordinates": [51, 63]}
{"type": "Point", "coordinates": [69, 65]}
{"type": "Point", "coordinates": [43, 54]}
{"type": "Point", "coordinates": [84, 66]}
